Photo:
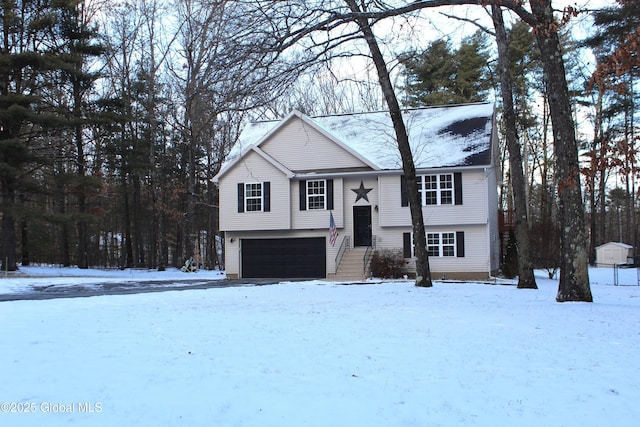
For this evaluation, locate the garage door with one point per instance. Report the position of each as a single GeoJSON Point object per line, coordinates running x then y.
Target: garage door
{"type": "Point", "coordinates": [284, 258]}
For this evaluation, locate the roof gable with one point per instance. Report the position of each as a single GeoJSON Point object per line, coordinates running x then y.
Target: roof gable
{"type": "Point", "coordinates": [253, 149]}
{"type": "Point", "coordinates": [615, 244]}
{"type": "Point", "coordinates": [304, 147]}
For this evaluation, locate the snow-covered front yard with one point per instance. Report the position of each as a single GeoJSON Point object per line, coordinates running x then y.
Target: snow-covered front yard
{"type": "Point", "coordinates": [322, 354]}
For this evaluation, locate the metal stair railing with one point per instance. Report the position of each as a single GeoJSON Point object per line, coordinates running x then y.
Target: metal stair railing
{"type": "Point", "coordinates": [344, 247]}
{"type": "Point", "coordinates": [368, 253]}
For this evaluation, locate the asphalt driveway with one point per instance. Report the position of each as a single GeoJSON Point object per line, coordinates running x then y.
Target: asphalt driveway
{"type": "Point", "coordinates": [53, 290]}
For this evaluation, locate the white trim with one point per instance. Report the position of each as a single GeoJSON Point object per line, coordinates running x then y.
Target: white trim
{"type": "Point", "coordinates": [440, 244]}
{"type": "Point", "coordinates": [323, 194]}
{"type": "Point", "coordinates": [247, 197]}
{"type": "Point", "coordinates": [259, 152]}
{"type": "Point", "coordinates": [422, 191]}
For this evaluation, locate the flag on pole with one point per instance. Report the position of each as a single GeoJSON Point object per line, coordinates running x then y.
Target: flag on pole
{"type": "Point", "coordinates": [333, 231]}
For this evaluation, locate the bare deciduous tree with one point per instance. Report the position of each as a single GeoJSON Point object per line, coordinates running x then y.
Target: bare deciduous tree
{"type": "Point", "coordinates": [227, 64]}
{"type": "Point", "coordinates": [526, 279]}
{"type": "Point", "coordinates": [423, 272]}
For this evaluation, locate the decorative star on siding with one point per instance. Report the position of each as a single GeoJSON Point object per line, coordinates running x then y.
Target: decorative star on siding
{"type": "Point", "coordinates": [361, 192]}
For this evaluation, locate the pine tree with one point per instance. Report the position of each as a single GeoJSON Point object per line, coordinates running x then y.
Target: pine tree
{"type": "Point", "coordinates": [616, 44]}
{"type": "Point", "coordinates": [77, 45]}
{"type": "Point", "coordinates": [430, 74]}
{"type": "Point", "coordinates": [442, 75]}
{"type": "Point", "coordinates": [24, 61]}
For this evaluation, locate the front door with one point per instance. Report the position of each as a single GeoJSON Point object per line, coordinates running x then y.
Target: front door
{"type": "Point", "coordinates": [362, 226]}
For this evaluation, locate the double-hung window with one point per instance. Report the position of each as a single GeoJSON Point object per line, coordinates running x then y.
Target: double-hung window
{"type": "Point", "coordinates": [445, 244]}
{"type": "Point", "coordinates": [436, 189]}
{"type": "Point", "coordinates": [316, 194]}
{"type": "Point", "coordinates": [253, 196]}
{"type": "Point", "coordinates": [441, 244]}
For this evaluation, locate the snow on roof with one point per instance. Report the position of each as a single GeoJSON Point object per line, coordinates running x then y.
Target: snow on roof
{"type": "Point", "coordinates": [623, 245]}
{"type": "Point", "coordinates": [457, 135]}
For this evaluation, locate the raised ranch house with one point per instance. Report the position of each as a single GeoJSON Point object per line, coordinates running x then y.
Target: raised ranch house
{"type": "Point", "coordinates": [312, 197]}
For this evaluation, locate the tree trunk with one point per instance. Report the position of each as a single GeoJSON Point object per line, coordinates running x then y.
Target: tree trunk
{"type": "Point", "coordinates": [526, 279]}
{"type": "Point", "coordinates": [423, 273]}
{"type": "Point", "coordinates": [632, 138]}
{"type": "Point", "coordinates": [190, 217]}
{"type": "Point", "coordinates": [574, 273]}
{"type": "Point", "coordinates": [137, 223]}
{"type": "Point", "coordinates": [8, 244]}
{"type": "Point", "coordinates": [127, 255]}
{"type": "Point", "coordinates": [598, 164]}
{"type": "Point", "coordinates": [178, 254]}
{"type": "Point", "coordinates": [61, 208]}
{"type": "Point", "coordinates": [162, 245]}
{"type": "Point", "coordinates": [24, 236]}
{"type": "Point", "coordinates": [83, 244]}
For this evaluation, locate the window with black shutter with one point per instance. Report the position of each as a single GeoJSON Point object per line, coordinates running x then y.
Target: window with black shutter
{"type": "Point", "coordinates": [443, 244]}
{"type": "Point", "coordinates": [254, 197]}
{"type": "Point", "coordinates": [439, 189]}
{"type": "Point", "coordinates": [316, 194]}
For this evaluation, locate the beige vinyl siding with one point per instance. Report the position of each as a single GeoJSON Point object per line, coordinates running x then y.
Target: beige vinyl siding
{"type": "Point", "coordinates": [390, 237]}
{"type": "Point", "coordinates": [472, 211]}
{"type": "Point", "coordinates": [254, 168]}
{"type": "Point", "coordinates": [391, 211]}
{"type": "Point", "coordinates": [476, 259]}
{"type": "Point", "coordinates": [493, 232]}
{"type": "Point", "coordinates": [300, 147]}
{"type": "Point", "coordinates": [232, 255]}
{"type": "Point", "coordinates": [316, 218]}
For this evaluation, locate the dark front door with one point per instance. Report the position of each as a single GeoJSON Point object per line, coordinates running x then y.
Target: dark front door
{"type": "Point", "coordinates": [362, 226]}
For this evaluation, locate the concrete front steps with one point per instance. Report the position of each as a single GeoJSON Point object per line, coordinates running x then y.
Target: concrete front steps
{"type": "Point", "coordinates": [352, 267]}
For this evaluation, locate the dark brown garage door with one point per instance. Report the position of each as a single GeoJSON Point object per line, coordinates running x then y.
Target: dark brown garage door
{"type": "Point", "coordinates": [304, 258]}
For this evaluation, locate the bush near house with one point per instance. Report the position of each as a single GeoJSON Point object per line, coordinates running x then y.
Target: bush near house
{"type": "Point", "coordinates": [388, 264]}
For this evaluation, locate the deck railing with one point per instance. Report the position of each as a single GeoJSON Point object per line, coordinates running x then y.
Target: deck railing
{"type": "Point", "coordinates": [506, 220]}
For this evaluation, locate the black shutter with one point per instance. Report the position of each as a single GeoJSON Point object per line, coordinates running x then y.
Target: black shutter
{"type": "Point", "coordinates": [457, 187]}
{"type": "Point", "coordinates": [266, 196]}
{"type": "Point", "coordinates": [406, 245]}
{"type": "Point", "coordinates": [330, 194]}
{"type": "Point", "coordinates": [303, 195]}
{"type": "Point", "coordinates": [460, 244]}
{"type": "Point", "coordinates": [404, 194]}
{"type": "Point", "coordinates": [240, 197]}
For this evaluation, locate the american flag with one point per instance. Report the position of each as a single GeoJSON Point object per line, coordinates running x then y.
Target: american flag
{"type": "Point", "coordinates": [333, 231]}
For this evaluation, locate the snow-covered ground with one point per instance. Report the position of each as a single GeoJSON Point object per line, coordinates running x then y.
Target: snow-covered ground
{"type": "Point", "coordinates": [28, 279]}
{"type": "Point", "coordinates": [322, 354]}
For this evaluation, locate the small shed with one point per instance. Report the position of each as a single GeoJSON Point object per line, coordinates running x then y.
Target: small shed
{"type": "Point", "coordinates": [613, 253]}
